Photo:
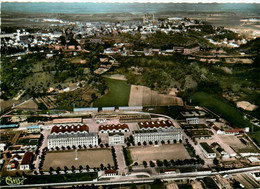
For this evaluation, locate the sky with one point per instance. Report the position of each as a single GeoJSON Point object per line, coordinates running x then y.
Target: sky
{"type": "Point", "coordinates": [141, 1]}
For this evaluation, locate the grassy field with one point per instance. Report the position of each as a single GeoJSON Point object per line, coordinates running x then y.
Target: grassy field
{"type": "Point", "coordinates": [92, 157]}
{"type": "Point", "coordinates": [28, 141]}
{"type": "Point", "coordinates": [255, 137]}
{"type": "Point", "coordinates": [221, 107]}
{"type": "Point", "coordinates": [118, 94]}
{"type": "Point", "coordinates": [167, 151]}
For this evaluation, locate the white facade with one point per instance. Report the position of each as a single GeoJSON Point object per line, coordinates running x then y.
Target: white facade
{"type": "Point", "coordinates": [2, 147]}
{"type": "Point", "coordinates": [193, 120]}
{"type": "Point", "coordinates": [33, 129]}
{"type": "Point", "coordinates": [72, 140]}
{"type": "Point", "coordinates": [157, 135]}
{"type": "Point", "coordinates": [24, 167]}
{"type": "Point", "coordinates": [115, 139]}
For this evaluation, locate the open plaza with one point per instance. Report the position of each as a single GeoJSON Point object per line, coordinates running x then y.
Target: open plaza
{"type": "Point", "coordinates": [91, 157]}
{"type": "Point", "coordinates": [162, 152]}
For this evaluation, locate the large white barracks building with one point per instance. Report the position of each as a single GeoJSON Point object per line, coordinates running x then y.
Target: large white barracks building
{"type": "Point", "coordinates": [73, 135]}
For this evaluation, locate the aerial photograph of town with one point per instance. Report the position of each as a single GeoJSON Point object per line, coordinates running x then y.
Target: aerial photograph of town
{"type": "Point", "coordinates": [130, 95]}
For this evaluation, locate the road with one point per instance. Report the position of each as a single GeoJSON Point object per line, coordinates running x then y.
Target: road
{"type": "Point", "coordinates": [130, 180]}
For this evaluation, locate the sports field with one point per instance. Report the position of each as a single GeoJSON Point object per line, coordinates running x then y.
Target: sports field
{"type": "Point", "coordinates": [91, 157]}
{"type": "Point", "coordinates": [167, 151]}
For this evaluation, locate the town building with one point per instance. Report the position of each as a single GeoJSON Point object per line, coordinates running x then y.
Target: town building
{"type": "Point", "coordinates": [191, 49]}
{"type": "Point", "coordinates": [64, 136]}
{"type": "Point", "coordinates": [108, 109]}
{"type": "Point", "coordinates": [67, 120]}
{"type": "Point", "coordinates": [27, 160]}
{"type": "Point", "coordinates": [192, 120]}
{"type": "Point", "coordinates": [150, 125]}
{"type": "Point", "coordinates": [157, 135]}
{"type": "Point", "coordinates": [85, 110]}
{"type": "Point", "coordinates": [130, 108]}
{"type": "Point", "coordinates": [110, 173]}
{"type": "Point", "coordinates": [2, 147]}
{"type": "Point", "coordinates": [71, 140]}
{"type": "Point", "coordinates": [12, 165]}
{"type": "Point", "coordinates": [113, 128]}
{"type": "Point", "coordinates": [33, 129]}
{"type": "Point", "coordinates": [207, 150]}
{"type": "Point", "coordinates": [116, 138]}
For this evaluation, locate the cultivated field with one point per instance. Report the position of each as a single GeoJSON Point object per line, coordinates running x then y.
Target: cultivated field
{"type": "Point", "coordinates": [236, 144]}
{"type": "Point", "coordinates": [144, 96]}
{"type": "Point", "coordinates": [167, 151]}
{"type": "Point", "coordinates": [91, 157]}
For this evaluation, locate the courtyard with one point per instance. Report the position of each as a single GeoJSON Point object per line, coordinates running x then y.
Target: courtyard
{"type": "Point", "coordinates": [167, 151]}
{"type": "Point", "coordinates": [91, 157]}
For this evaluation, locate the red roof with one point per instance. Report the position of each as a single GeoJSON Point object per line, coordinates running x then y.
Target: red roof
{"type": "Point", "coordinates": [215, 127]}
{"type": "Point", "coordinates": [111, 127]}
{"type": "Point", "coordinates": [234, 131]}
{"type": "Point", "coordinates": [152, 124]}
{"type": "Point", "coordinates": [71, 128]}
{"type": "Point", "coordinates": [27, 158]}
{"type": "Point", "coordinates": [110, 171]}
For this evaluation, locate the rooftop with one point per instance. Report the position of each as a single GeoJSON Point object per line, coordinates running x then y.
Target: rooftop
{"type": "Point", "coordinates": [206, 147]}
{"type": "Point", "coordinates": [69, 128]}
{"type": "Point", "coordinates": [27, 158]}
{"type": "Point", "coordinates": [113, 126]}
{"type": "Point", "coordinates": [155, 124]}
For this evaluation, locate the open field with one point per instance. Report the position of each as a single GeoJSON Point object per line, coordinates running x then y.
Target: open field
{"type": "Point", "coordinates": [118, 94]}
{"type": "Point", "coordinates": [167, 151]}
{"type": "Point", "coordinates": [91, 157]}
{"type": "Point", "coordinates": [221, 107]}
{"type": "Point", "coordinates": [144, 96]}
{"type": "Point", "coordinates": [255, 137]}
{"type": "Point", "coordinates": [236, 144]}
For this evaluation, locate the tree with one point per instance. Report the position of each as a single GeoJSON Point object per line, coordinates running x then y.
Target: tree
{"type": "Point", "coordinates": [152, 164]}
{"type": "Point", "coordinates": [180, 141]}
{"type": "Point", "coordinates": [144, 143]}
{"type": "Point", "coordinates": [166, 163]}
{"type": "Point", "coordinates": [139, 143]}
{"type": "Point", "coordinates": [174, 141]}
{"type": "Point", "coordinates": [73, 168]}
{"type": "Point", "coordinates": [159, 163]}
{"type": "Point", "coordinates": [87, 167]}
{"type": "Point", "coordinates": [50, 170]}
{"type": "Point", "coordinates": [215, 161]}
{"type": "Point", "coordinates": [150, 142]}
{"type": "Point", "coordinates": [80, 168]}
{"type": "Point", "coordinates": [162, 142]}
{"type": "Point", "coordinates": [145, 164]}
{"type": "Point", "coordinates": [66, 169]}
{"type": "Point", "coordinates": [136, 163]}
{"type": "Point", "coordinates": [58, 169]}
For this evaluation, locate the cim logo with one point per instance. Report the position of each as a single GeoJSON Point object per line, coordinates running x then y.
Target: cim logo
{"type": "Point", "coordinates": [14, 180]}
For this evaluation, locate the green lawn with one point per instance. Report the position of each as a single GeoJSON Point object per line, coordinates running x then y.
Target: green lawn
{"type": "Point", "coordinates": [118, 94]}
{"type": "Point", "coordinates": [29, 141]}
{"type": "Point", "coordinates": [60, 178]}
{"type": "Point", "coordinates": [255, 137]}
{"type": "Point", "coordinates": [221, 107]}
